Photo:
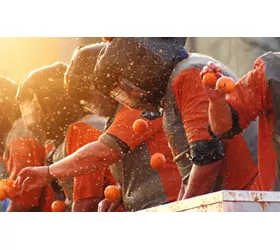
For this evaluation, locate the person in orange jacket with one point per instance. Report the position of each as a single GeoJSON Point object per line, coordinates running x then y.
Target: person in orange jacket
{"type": "Point", "coordinates": [88, 189]}
{"type": "Point", "coordinates": [19, 147]}
{"type": "Point", "coordinates": [155, 74]}
{"type": "Point", "coordinates": [128, 153]}
{"type": "Point", "coordinates": [22, 149]}
{"type": "Point", "coordinates": [256, 95]}
{"type": "Point", "coordinates": [120, 128]}
{"type": "Point", "coordinates": [47, 112]}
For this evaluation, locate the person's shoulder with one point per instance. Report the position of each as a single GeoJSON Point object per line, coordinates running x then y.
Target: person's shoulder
{"type": "Point", "coordinates": [194, 61]}
{"type": "Point", "coordinates": [270, 57]}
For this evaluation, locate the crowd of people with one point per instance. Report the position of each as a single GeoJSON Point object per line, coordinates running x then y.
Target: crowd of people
{"type": "Point", "coordinates": [69, 140]}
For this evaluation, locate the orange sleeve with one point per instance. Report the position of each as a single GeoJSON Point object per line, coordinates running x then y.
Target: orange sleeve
{"type": "Point", "coordinates": [247, 99]}
{"type": "Point", "coordinates": [122, 127]}
{"type": "Point", "coordinates": [193, 103]}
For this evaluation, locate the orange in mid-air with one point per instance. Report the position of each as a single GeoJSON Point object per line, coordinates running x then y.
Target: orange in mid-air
{"type": "Point", "coordinates": [3, 195]}
{"type": "Point", "coordinates": [210, 79]}
{"type": "Point", "coordinates": [225, 84]}
{"type": "Point", "coordinates": [140, 126]}
{"type": "Point", "coordinates": [157, 160]}
{"type": "Point", "coordinates": [58, 206]}
{"type": "Point", "coordinates": [112, 193]}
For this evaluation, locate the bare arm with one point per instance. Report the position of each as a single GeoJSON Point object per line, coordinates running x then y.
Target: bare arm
{"type": "Point", "coordinates": [85, 160]}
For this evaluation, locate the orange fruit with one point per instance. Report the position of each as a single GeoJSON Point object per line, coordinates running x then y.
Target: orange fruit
{"type": "Point", "coordinates": [3, 195]}
{"type": "Point", "coordinates": [210, 79]}
{"type": "Point", "coordinates": [140, 126]}
{"type": "Point", "coordinates": [9, 189]}
{"type": "Point", "coordinates": [112, 193]}
{"type": "Point", "coordinates": [58, 206]}
{"type": "Point", "coordinates": [108, 39]}
{"type": "Point", "coordinates": [157, 160]}
{"type": "Point", "coordinates": [225, 84]}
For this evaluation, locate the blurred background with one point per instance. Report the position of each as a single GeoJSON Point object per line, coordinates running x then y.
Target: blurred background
{"type": "Point", "coordinates": [18, 56]}
{"type": "Point", "coordinates": [238, 53]}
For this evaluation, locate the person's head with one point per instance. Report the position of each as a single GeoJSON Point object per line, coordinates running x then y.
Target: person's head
{"type": "Point", "coordinates": [9, 109]}
{"type": "Point", "coordinates": [45, 106]}
{"type": "Point", "coordinates": [135, 71]}
{"type": "Point", "coordinates": [79, 81]}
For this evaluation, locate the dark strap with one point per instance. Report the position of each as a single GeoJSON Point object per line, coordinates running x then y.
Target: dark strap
{"type": "Point", "coordinates": [57, 188]}
{"type": "Point", "coordinates": [152, 115]}
{"type": "Point", "coordinates": [205, 152]}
